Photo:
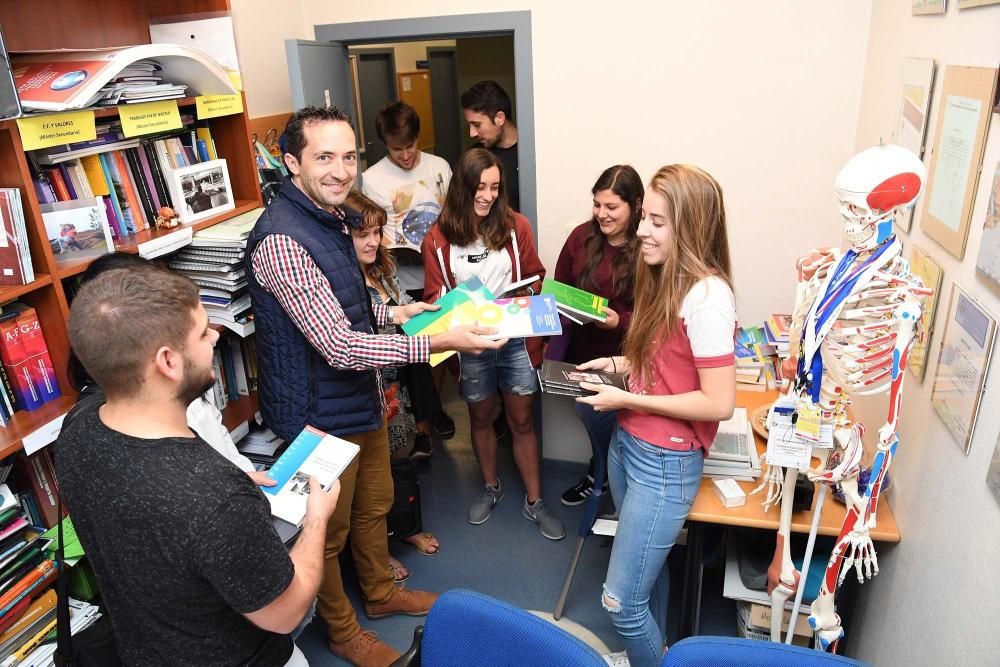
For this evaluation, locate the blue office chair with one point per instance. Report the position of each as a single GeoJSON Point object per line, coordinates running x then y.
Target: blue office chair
{"type": "Point", "coordinates": [735, 652]}
{"type": "Point", "coordinates": [465, 629]}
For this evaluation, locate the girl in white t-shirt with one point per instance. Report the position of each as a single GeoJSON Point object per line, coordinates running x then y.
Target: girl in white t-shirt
{"type": "Point", "coordinates": [679, 352]}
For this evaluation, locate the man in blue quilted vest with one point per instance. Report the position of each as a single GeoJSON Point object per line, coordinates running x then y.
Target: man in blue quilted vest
{"type": "Point", "coordinates": [319, 361]}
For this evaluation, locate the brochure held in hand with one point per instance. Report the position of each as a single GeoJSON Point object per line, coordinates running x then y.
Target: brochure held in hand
{"type": "Point", "coordinates": [313, 453]}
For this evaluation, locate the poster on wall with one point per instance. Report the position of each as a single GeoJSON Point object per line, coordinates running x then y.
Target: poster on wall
{"type": "Point", "coordinates": [960, 138]}
{"type": "Point", "coordinates": [930, 273]}
{"type": "Point", "coordinates": [993, 474]}
{"type": "Point", "coordinates": [928, 7]}
{"type": "Point", "coordinates": [988, 261]}
{"type": "Point", "coordinates": [963, 362]}
{"type": "Point", "coordinates": [911, 125]}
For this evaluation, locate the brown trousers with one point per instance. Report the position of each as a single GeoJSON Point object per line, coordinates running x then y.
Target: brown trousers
{"type": "Point", "coordinates": [366, 495]}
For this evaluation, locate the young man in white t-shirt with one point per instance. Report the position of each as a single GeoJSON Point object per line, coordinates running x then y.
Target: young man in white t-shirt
{"type": "Point", "coordinates": [408, 183]}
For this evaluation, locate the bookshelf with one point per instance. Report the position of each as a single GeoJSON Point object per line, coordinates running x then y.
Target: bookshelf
{"type": "Point", "coordinates": [56, 24]}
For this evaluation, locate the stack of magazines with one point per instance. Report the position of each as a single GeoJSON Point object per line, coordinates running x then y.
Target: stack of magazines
{"type": "Point", "coordinates": [564, 379]}
{"type": "Point", "coordinates": [733, 453]}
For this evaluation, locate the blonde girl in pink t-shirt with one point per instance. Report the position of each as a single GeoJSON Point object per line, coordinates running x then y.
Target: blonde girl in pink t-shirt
{"type": "Point", "coordinates": [679, 353]}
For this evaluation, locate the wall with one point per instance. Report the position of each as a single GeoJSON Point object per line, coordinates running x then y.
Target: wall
{"type": "Point", "coordinates": [406, 54]}
{"type": "Point", "coordinates": [937, 598]}
{"type": "Point", "coordinates": [763, 95]}
{"type": "Point", "coordinates": [480, 58]}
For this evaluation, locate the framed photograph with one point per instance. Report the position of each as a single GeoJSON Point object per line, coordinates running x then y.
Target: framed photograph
{"type": "Point", "coordinates": [911, 125]}
{"type": "Point", "coordinates": [202, 190]}
{"type": "Point", "coordinates": [960, 139]}
{"type": "Point", "coordinates": [969, 4]}
{"type": "Point", "coordinates": [77, 229]}
{"type": "Point", "coordinates": [930, 273]}
{"type": "Point", "coordinates": [966, 347]}
{"type": "Point", "coordinates": [993, 474]}
{"type": "Point", "coordinates": [988, 261]}
{"type": "Point", "coordinates": [928, 7]}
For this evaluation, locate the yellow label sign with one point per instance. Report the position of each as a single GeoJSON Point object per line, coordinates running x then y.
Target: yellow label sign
{"type": "Point", "coordinates": [210, 106]}
{"type": "Point", "coordinates": [56, 129]}
{"type": "Point", "coordinates": [149, 118]}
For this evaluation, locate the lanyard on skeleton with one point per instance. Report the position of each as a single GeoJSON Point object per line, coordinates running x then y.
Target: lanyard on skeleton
{"type": "Point", "coordinates": [824, 311]}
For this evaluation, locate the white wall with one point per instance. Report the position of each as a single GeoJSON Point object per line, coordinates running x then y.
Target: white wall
{"type": "Point", "coordinates": [937, 599]}
{"type": "Point", "coordinates": [763, 95]}
{"type": "Point", "coordinates": [406, 54]}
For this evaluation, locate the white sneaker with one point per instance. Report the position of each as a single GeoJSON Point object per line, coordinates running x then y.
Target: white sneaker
{"type": "Point", "coordinates": [619, 659]}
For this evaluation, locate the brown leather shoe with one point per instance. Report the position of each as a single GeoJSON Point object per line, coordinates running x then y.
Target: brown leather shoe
{"type": "Point", "coordinates": [403, 601]}
{"type": "Point", "coordinates": [365, 650]}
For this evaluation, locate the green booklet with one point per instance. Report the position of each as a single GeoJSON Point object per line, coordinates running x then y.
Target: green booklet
{"type": "Point", "coordinates": [576, 304]}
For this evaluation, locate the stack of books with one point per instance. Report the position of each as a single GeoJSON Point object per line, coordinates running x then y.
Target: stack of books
{"type": "Point", "coordinates": [27, 378]}
{"type": "Point", "coordinates": [564, 379]}
{"type": "Point", "coordinates": [15, 257]}
{"type": "Point", "coordinates": [776, 332]}
{"type": "Point", "coordinates": [214, 260]}
{"type": "Point", "coordinates": [576, 304]}
{"type": "Point", "coordinates": [261, 446]}
{"type": "Point", "coordinates": [733, 453]}
{"type": "Point", "coordinates": [756, 360]}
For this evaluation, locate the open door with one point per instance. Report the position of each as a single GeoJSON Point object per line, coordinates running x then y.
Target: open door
{"type": "Point", "coordinates": [319, 74]}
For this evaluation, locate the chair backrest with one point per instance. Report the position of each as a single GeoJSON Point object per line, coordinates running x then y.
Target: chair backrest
{"type": "Point", "coordinates": [738, 652]}
{"type": "Point", "coordinates": [465, 629]}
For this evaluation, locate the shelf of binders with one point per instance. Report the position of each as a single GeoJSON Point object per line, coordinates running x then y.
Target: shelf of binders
{"type": "Point", "coordinates": [99, 112]}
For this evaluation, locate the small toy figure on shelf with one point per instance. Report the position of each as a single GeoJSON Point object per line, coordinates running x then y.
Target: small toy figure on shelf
{"type": "Point", "coordinates": [166, 218]}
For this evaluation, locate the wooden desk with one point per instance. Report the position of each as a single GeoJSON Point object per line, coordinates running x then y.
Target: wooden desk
{"type": "Point", "coordinates": [708, 509]}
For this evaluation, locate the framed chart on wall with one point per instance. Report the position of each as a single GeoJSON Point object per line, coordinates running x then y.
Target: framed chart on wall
{"type": "Point", "coordinates": [930, 273]}
{"type": "Point", "coordinates": [911, 125]}
{"type": "Point", "coordinates": [988, 261]}
{"type": "Point", "coordinates": [928, 7]}
{"type": "Point", "coordinates": [959, 140]}
{"type": "Point", "coordinates": [966, 347]}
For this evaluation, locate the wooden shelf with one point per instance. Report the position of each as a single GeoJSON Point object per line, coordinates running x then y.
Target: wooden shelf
{"type": "Point", "coordinates": [11, 292]}
{"type": "Point", "coordinates": [24, 423]}
{"type": "Point", "coordinates": [131, 243]}
{"type": "Point", "coordinates": [243, 409]}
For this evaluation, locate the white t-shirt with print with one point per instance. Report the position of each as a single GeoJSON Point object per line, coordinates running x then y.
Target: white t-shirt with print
{"type": "Point", "coordinates": [412, 199]}
{"type": "Point", "coordinates": [493, 267]}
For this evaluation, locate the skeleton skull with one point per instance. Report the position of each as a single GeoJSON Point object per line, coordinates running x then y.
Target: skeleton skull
{"type": "Point", "coordinates": [872, 187]}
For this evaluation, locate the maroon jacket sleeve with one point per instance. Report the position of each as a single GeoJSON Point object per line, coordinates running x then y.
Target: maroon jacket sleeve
{"type": "Point", "coordinates": [531, 265]}
{"type": "Point", "coordinates": [433, 273]}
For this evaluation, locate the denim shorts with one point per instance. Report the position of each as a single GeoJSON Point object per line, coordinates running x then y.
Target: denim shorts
{"type": "Point", "coordinates": [508, 369]}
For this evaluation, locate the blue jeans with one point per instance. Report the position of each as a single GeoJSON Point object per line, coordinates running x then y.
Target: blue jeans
{"type": "Point", "coordinates": [600, 428]}
{"type": "Point", "coordinates": [653, 488]}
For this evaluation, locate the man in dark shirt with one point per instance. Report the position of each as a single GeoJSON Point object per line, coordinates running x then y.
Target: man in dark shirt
{"type": "Point", "coordinates": [188, 563]}
{"type": "Point", "coordinates": [488, 112]}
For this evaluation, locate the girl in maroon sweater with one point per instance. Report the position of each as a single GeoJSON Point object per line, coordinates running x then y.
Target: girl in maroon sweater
{"type": "Point", "coordinates": [599, 256]}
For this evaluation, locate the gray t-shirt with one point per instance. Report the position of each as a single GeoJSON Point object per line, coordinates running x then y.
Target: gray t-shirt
{"type": "Point", "coordinates": [180, 540]}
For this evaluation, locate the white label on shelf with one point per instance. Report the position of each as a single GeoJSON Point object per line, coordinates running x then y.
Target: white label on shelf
{"type": "Point", "coordinates": [43, 436]}
{"type": "Point", "coordinates": [163, 245]}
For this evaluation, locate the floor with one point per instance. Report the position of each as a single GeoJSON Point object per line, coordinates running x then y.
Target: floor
{"type": "Point", "coordinates": [507, 557]}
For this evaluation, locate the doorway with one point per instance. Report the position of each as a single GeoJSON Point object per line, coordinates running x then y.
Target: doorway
{"type": "Point", "coordinates": [374, 73]}
{"type": "Point", "coordinates": [318, 77]}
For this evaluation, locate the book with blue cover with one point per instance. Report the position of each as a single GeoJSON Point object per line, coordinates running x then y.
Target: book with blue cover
{"type": "Point", "coordinates": [313, 453]}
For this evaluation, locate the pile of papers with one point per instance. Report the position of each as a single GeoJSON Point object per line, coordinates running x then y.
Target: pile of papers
{"type": "Point", "coordinates": [756, 360]}
{"type": "Point", "coordinates": [733, 453]}
{"type": "Point", "coordinates": [564, 379]}
{"type": "Point", "coordinates": [214, 261]}
{"type": "Point", "coordinates": [261, 447]}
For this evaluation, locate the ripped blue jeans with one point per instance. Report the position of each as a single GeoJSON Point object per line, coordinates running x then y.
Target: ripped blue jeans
{"type": "Point", "coordinates": [653, 488]}
{"type": "Point", "coordinates": [508, 369]}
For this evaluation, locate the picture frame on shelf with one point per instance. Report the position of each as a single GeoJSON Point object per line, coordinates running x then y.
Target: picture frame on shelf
{"type": "Point", "coordinates": [202, 190]}
{"type": "Point", "coordinates": [988, 260]}
{"type": "Point", "coordinates": [962, 365]}
{"type": "Point", "coordinates": [923, 7]}
{"type": "Point", "coordinates": [931, 274]}
{"type": "Point", "coordinates": [77, 229]}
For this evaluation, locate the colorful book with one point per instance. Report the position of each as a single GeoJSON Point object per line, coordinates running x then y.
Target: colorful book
{"type": "Point", "coordinates": [15, 361]}
{"type": "Point", "coordinates": [557, 377]}
{"type": "Point", "coordinates": [11, 256]}
{"type": "Point", "coordinates": [577, 303]}
{"type": "Point", "coordinates": [465, 295]}
{"type": "Point", "coordinates": [39, 362]}
{"type": "Point", "coordinates": [313, 453]}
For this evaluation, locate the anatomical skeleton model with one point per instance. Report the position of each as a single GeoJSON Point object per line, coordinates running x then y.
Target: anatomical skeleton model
{"type": "Point", "coordinates": [854, 322]}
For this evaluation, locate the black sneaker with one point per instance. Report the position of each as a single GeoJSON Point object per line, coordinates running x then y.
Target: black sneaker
{"type": "Point", "coordinates": [578, 494]}
{"type": "Point", "coordinates": [443, 425]}
{"type": "Point", "coordinates": [422, 447]}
